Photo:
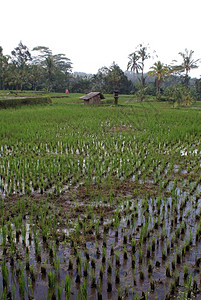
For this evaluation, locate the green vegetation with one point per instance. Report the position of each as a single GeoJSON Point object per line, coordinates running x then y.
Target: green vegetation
{"type": "Point", "coordinates": [100, 201]}
{"type": "Point", "coordinates": [41, 70]}
{"type": "Point", "coordinates": [9, 102]}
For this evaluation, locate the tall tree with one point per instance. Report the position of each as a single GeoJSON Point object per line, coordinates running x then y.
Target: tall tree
{"type": "Point", "coordinates": [144, 54]}
{"type": "Point", "coordinates": [111, 78]}
{"type": "Point", "coordinates": [20, 57]}
{"type": "Point", "coordinates": [36, 76]}
{"type": "Point", "coordinates": [187, 64]}
{"type": "Point", "coordinates": [198, 88]}
{"type": "Point", "coordinates": [114, 75]}
{"type": "Point", "coordinates": [137, 59]}
{"type": "Point", "coordinates": [50, 67]}
{"type": "Point", "coordinates": [133, 63]}
{"type": "Point", "coordinates": [54, 65]}
{"type": "Point", "coordinates": [159, 70]}
{"type": "Point", "coordinates": [4, 69]}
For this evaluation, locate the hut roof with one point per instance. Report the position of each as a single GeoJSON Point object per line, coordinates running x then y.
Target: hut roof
{"type": "Point", "coordinates": [91, 95]}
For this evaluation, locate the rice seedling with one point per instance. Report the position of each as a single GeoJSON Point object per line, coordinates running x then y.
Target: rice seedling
{"type": "Point", "coordinates": [93, 264]}
{"type": "Point", "coordinates": [79, 273]}
{"type": "Point", "coordinates": [140, 254]}
{"type": "Point", "coordinates": [86, 254]}
{"type": "Point", "coordinates": [43, 268]}
{"type": "Point", "coordinates": [70, 264]}
{"type": "Point", "coordinates": [148, 250]}
{"type": "Point", "coordinates": [152, 284]}
{"type": "Point", "coordinates": [85, 268]}
{"type": "Point", "coordinates": [125, 253]}
{"type": "Point", "coordinates": [186, 272]}
{"type": "Point", "coordinates": [117, 258]}
{"type": "Point", "coordinates": [150, 266]}
{"type": "Point", "coordinates": [153, 244]}
{"type": "Point", "coordinates": [4, 270]}
{"type": "Point", "coordinates": [117, 276]}
{"type": "Point", "coordinates": [167, 271]}
{"type": "Point", "coordinates": [164, 256]}
{"type": "Point", "coordinates": [67, 286]}
{"type": "Point", "coordinates": [99, 292]}
{"type": "Point", "coordinates": [32, 274]}
{"type": "Point", "coordinates": [172, 287]}
{"type": "Point", "coordinates": [51, 280]}
{"type": "Point", "coordinates": [178, 256]}
{"type": "Point", "coordinates": [21, 285]}
{"type": "Point", "coordinates": [59, 291]}
{"type": "Point", "coordinates": [84, 290]}
{"type": "Point", "coordinates": [103, 255]}
{"type": "Point", "coordinates": [83, 189]}
{"type": "Point", "coordinates": [93, 279]}
{"type": "Point", "coordinates": [133, 245]}
{"type": "Point", "coordinates": [195, 285]}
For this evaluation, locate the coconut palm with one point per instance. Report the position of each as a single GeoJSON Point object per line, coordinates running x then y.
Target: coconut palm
{"type": "Point", "coordinates": [137, 61]}
{"type": "Point", "coordinates": [160, 71]}
{"type": "Point", "coordinates": [143, 54]}
{"type": "Point", "coordinates": [133, 63]}
{"type": "Point", "coordinates": [187, 64]}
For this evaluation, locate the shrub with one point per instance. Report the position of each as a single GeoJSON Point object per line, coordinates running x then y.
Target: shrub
{"type": "Point", "coordinates": [14, 102]}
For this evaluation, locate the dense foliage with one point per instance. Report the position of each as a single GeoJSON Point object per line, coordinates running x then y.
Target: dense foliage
{"type": "Point", "coordinates": [44, 71]}
{"type": "Point", "coordinates": [40, 69]}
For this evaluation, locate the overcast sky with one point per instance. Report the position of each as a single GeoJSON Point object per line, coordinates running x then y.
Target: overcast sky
{"type": "Point", "coordinates": [94, 33]}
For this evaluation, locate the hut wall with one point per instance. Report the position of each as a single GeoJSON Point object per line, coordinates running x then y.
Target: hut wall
{"type": "Point", "coordinates": [94, 100]}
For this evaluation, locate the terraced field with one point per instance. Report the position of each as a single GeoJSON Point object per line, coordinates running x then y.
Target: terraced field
{"type": "Point", "coordinates": [100, 202]}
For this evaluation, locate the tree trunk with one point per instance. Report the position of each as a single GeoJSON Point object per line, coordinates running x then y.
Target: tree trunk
{"type": "Point", "coordinates": [157, 85]}
{"type": "Point", "coordinates": [186, 80]}
{"type": "Point", "coordinates": [142, 78]}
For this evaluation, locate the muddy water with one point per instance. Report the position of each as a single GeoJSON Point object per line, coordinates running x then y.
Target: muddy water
{"type": "Point", "coordinates": [134, 279]}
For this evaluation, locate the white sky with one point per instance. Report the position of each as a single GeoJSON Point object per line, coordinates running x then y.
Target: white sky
{"type": "Point", "coordinates": [94, 33]}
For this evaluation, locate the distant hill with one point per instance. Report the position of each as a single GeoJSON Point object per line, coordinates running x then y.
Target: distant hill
{"type": "Point", "coordinates": [172, 80]}
{"type": "Point", "coordinates": [135, 78]}
{"type": "Point", "coordinates": [82, 74]}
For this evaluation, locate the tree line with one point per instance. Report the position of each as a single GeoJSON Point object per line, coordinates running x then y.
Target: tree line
{"type": "Point", "coordinates": [40, 69]}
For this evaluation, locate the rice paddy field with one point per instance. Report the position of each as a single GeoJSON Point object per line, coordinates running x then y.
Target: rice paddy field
{"type": "Point", "coordinates": [100, 202]}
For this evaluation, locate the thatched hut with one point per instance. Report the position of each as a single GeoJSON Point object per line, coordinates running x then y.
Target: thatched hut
{"type": "Point", "coordinates": [92, 98]}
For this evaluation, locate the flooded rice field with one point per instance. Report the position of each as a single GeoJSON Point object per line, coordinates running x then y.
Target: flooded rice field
{"type": "Point", "coordinates": [124, 247]}
{"type": "Point", "coordinates": [106, 208]}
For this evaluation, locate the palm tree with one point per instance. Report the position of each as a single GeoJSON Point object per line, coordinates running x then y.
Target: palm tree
{"type": "Point", "coordinates": [133, 63]}
{"type": "Point", "coordinates": [143, 54]}
{"type": "Point", "coordinates": [187, 64]}
{"type": "Point", "coordinates": [160, 71]}
{"type": "Point", "coordinates": [137, 60]}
